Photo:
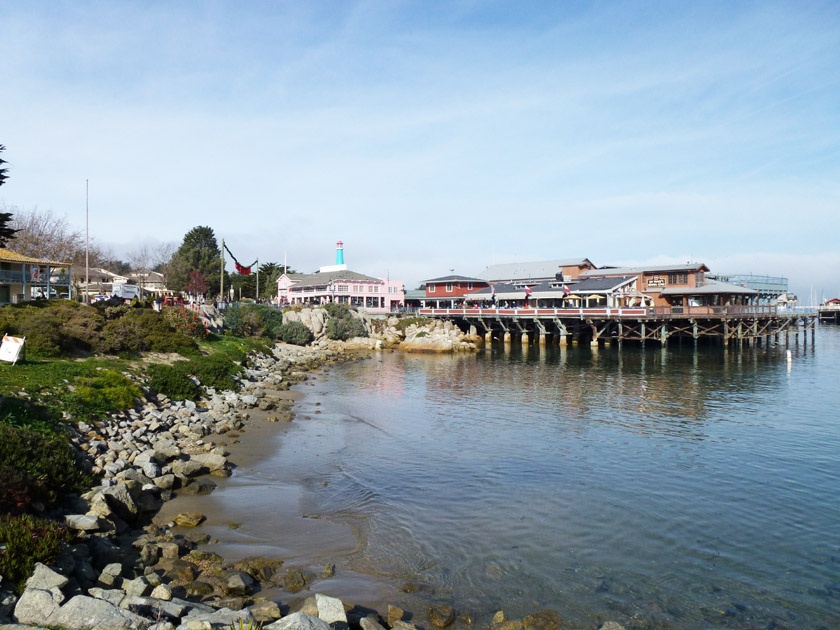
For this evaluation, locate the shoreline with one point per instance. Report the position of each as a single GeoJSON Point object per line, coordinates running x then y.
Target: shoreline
{"type": "Point", "coordinates": [175, 564]}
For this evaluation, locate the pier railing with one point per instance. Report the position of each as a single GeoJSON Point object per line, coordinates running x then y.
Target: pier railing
{"type": "Point", "coordinates": [610, 312]}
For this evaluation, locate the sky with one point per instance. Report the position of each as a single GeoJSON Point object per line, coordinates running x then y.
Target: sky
{"type": "Point", "coordinates": [436, 136]}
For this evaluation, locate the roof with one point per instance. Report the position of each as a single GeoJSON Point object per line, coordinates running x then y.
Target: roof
{"type": "Point", "coordinates": [600, 284]}
{"type": "Point", "coordinates": [7, 255]}
{"type": "Point", "coordinates": [712, 287]}
{"type": "Point", "coordinates": [456, 279]}
{"type": "Point", "coordinates": [635, 271]}
{"type": "Point", "coordinates": [321, 279]}
{"type": "Point", "coordinates": [415, 294]}
{"type": "Point", "coordinates": [530, 270]}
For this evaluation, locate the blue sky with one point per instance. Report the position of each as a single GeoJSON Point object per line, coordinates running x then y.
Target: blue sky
{"type": "Point", "coordinates": [436, 135]}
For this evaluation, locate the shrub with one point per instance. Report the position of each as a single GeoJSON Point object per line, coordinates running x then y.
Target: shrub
{"type": "Point", "coordinates": [214, 370]}
{"type": "Point", "coordinates": [405, 322]}
{"type": "Point", "coordinates": [343, 329]}
{"type": "Point", "coordinates": [295, 333]}
{"type": "Point", "coordinates": [338, 310]}
{"type": "Point", "coordinates": [172, 382]}
{"type": "Point", "coordinates": [143, 330]}
{"type": "Point", "coordinates": [27, 540]}
{"type": "Point", "coordinates": [103, 393]}
{"type": "Point", "coordinates": [45, 464]}
{"type": "Point", "coordinates": [185, 321]}
{"type": "Point", "coordinates": [243, 320]}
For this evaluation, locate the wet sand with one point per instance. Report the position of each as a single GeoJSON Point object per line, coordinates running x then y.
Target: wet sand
{"type": "Point", "coordinates": [260, 509]}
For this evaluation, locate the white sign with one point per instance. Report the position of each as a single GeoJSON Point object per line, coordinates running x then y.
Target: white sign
{"type": "Point", "coordinates": [11, 348]}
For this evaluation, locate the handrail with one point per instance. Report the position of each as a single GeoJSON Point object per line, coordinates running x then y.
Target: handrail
{"type": "Point", "coordinates": [738, 310]}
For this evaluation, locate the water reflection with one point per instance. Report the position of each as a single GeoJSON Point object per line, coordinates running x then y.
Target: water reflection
{"type": "Point", "coordinates": [690, 487]}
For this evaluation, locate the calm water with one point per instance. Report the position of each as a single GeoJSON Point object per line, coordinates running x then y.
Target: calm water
{"type": "Point", "coordinates": [678, 488]}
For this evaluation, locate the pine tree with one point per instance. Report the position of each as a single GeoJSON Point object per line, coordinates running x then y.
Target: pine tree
{"type": "Point", "coordinates": [6, 233]}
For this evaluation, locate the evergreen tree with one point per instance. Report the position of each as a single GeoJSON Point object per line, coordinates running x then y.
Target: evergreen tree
{"type": "Point", "coordinates": [199, 252]}
{"type": "Point", "coordinates": [6, 233]}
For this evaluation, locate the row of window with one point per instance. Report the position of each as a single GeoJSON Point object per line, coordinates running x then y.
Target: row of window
{"type": "Point", "coordinates": [449, 287]}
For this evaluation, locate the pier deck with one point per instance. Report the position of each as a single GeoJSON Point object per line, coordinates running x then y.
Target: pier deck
{"type": "Point", "coordinates": [725, 324]}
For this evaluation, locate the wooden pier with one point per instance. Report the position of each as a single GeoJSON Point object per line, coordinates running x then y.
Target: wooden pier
{"type": "Point", "coordinates": [829, 314]}
{"type": "Point", "coordinates": [723, 325]}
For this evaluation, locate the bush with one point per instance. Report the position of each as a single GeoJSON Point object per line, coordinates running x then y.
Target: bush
{"type": "Point", "coordinates": [44, 464]}
{"type": "Point", "coordinates": [27, 540]}
{"type": "Point", "coordinates": [172, 382]}
{"type": "Point", "coordinates": [343, 329]}
{"type": "Point", "coordinates": [185, 321]}
{"type": "Point", "coordinates": [214, 370]}
{"type": "Point", "coordinates": [243, 320]}
{"type": "Point", "coordinates": [141, 330]}
{"type": "Point", "coordinates": [106, 392]}
{"type": "Point", "coordinates": [405, 322]}
{"type": "Point", "coordinates": [295, 333]}
{"type": "Point", "coordinates": [338, 310]}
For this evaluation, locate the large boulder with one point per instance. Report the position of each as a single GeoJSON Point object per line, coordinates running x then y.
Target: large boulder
{"type": "Point", "coordinates": [298, 621]}
{"type": "Point", "coordinates": [88, 613]}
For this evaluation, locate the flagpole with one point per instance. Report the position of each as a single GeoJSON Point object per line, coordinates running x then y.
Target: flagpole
{"type": "Point", "coordinates": [258, 280]}
{"type": "Point", "coordinates": [222, 275]}
{"type": "Point", "coordinates": [87, 240]}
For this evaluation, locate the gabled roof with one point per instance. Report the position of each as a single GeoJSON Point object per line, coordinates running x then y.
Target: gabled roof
{"type": "Point", "coordinates": [7, 255]}
{"type": "Point", "coordinates": [321, 279]}
{"type": "Point", "coordinates": [635, 271]}
{"type": "Point", "coordinates": [530, 270]}
{"type": "Point", "coordinates": [456, 279]}
{"type": "Point", "coordinates": [601, 284]}
{"type": "Point", "coordinates": [712, 287]}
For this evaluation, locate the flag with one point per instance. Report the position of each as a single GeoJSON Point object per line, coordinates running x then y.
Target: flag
{"type": "Point", "coordinates": [527, 290]}
{"type": "Point", "coordinates": [566, 290]}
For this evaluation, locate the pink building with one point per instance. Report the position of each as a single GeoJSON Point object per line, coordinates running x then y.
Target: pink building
{"type": "Point", "coordinates": [335, 283]}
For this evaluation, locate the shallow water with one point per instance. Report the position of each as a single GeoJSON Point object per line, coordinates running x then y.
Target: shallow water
{"type": "Point", "coordinates": [659, 488]}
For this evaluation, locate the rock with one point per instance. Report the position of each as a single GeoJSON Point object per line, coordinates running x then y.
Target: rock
{"type": "Point", "coordinates": [370, 623]}
{"type": "Point", "coordinates": [328, 571]}
{"type": "Point", "coordinates": [265, 610]}
{"type": "Point", "coordinates": [44, 578]}
{"type": "Point", "coordinates": [612, 625]}
{"type": "Point", "coordinates": [224, 618]}
{"type": "Point", "coordinates": [211, 461]}
{"type": "Point", "coordinates": [199, 487]}
{"type": "Point", "coordinates": [544, 620]}
{"type": "Point", "coordinates": [166, 450]}
{"type": "Point", "coordinates": [330, 609]}
{"type": "Point", "coordinates": [498, 619]}
{"type": "Point", "coordinates": [199, 589]}
{"type": "Point", "coordinates": [441, 615]}
{"type": "Point", "coordinates": [165, 482]}
{"type": "Point", "coordinates": [137, 587]}
{"type": "Point", "coordinates": [395, 614]}
{"type": "Point", "coordinates": [163, 592]}
{"type": "Point", "coordinates": [88, 613]}
{"type": "Point", "coordinates": [189, 519]}
{"type": "Point", "coordinates": [298, 621]}
{"type": "Point", "coordinates": [112, 595]}
{"type": "Point", "coordinates": [152, 607]}
{"type": "Point", "coordinates": [120, 501]}
{"type": "Point", "coordinates": [238, 583]}
{"type": "Point", "coordinates": [187, 468]}
{"type": "Point", "coordinates": [294, 581]}
{"type": "Point", "coordinates": [35, 606]}
{"type": "Point", "coordinates": [82, 522]}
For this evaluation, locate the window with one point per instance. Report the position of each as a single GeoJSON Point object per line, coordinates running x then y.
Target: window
{"type": "Point", "coordinates": [449, 287]}
{"type": "Point", "coordinates": [431, 288]}
{"type": "Point", "coordinates": [342, 288]}
{"type": "Point", "coordinates": [469, 286]}
{"type": "Point", "coordinates": [677, 278]}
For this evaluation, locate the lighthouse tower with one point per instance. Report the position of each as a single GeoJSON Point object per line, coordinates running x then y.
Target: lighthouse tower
{"type": "Point", "coordinates": [339, 260]}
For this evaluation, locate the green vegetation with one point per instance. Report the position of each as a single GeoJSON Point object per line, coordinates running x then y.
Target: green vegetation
{"type": "Point", "coordinates": [27, 540]}
{"type": "Point", "coordinates": [56, 328]}
{"type": "Point", "coordinates": [342, 325]}
{"type": "Point", "coordinates": [254, 320]}
{"type": "Point", "coordinates": [295, 333]}
{"type": "Point", "coordinates": [37, 466]}
{"type": "Point", "coordinates": [199, 255]}
{"type": "Point", "coordinates": [103, 393]}
{"type": "Point", "coordinates": [214, 370]}
{"type": "Point", "coordinates": [172, 382]}
{"type": "Point", "coordinates": [405, 322]}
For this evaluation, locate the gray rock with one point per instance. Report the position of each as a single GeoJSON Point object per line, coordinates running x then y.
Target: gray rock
{"type": "Point", "coordinates": [166, 449]}
{"type": "Point", "coordinates": [88, 613]}
{"type": "Point", "coordinates": [82, 522]}
{"type": "Point", "coordinates": [111, 595]}
{"type": "Point", "coordinates": [35, 606]}
{"type": "Point", "coordinates": [120, 501]}
{"type": "Point", "coordinates": [238, 583]}
{"type": "Point", "coordinates": [370, 623]}
{"type": "Point", "coordinates": [211, 461]}
{"type": "Point", "coordinates": [223, 618]}
{"type": "Point", "coordinates": [44, 578]}
{"type": "Point", "coordinates": [165, 482]}
{"type": "Point", "coordinates": [151, 470]}
{"type": "Point", "coordinates": [162, 591]}
{"type": "Point", "coordinates": [137, 587]}
{"type": "Point", "coordinates": [330, 609]}
{"type": "Point", "coordinates": [187, 468]}
{"type": "Point", "coordinates": [298, 621]}
{"type": "Point", "coordinates": [151, 607]}
{"type": "Point", "coordinates": [612, 625]}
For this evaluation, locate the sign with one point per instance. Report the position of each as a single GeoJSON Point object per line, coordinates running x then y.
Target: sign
{"type": "Point", "coordinates": [35, 271]}
{"type": "Point", "coordinates": [656, 282]}
{"type": "Point", "coordinates": [12, 348]}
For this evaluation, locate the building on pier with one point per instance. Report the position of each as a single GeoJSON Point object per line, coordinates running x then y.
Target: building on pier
{"type": "Point", "coordinates": [770, 288]}
{"type": "Point", "coordinates": [336, 283]}
{"type": "Point", "coordinates": [449, 290]}
{"type": "Point", "coordinates": [521, 274]}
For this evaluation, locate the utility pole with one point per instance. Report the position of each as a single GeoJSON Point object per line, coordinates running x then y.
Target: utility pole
{"type": "Point", "coordinates": [258, 280]}
{"type": "Point", "coordinates": [222, 275]}
{"type": "Point", "coordinates": [87, 240]}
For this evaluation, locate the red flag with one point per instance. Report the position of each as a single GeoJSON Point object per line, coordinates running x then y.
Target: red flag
{"type": "Point", "coordinates": [243, 270]}
{"type": "Point", "coordinates": [527, 290]}
{"type": "Point", "coordinates": [566, 290]}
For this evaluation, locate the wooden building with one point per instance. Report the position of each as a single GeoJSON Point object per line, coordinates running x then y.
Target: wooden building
{"type": "Point", "coordinates": [449, 290]}
{"type": "Point", "coordinates": [533, 273]}
{"type": "Point", "coordinates": [24, 278]}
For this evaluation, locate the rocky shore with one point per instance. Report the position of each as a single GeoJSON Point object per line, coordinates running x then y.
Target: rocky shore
{"type": "Point", "coordinates": [125, 572]}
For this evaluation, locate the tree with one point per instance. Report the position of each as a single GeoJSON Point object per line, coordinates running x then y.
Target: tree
{"type": "Point", "coordinates": [6, 233]}
{"type": "Point", "coordinates": [198, 252]}
{"type": "Point", "coordinates": [197, 283]}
